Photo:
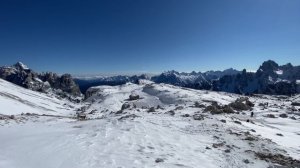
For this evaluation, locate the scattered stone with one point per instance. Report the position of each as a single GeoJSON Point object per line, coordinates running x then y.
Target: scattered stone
{"type": "Point", "coordinates": [171, 112]}
{"type": "Point", "coordinates": [179, 108]}
{"type": "Point", "coordinates": [293, 118]}
{"type": "Point", "coordinates": [278, 159]}
{"type": "Point", "coordinates": [247, 133]}
{"type": "Point", "coordinates": [12, 117]}
{"type": "Point", "coordinates": [279, 134]}
{"type": "Point", "coordinates": [238, 122]}
{"type": "Point", "coordinates": [93, 112]}
{"type": "Point", "coordinates": [246, 161]}
{"type": "Point", "coordinates": [207, 148]}
{"type": "Point", "coordinates": [227, 151]}
{"type": "Point", "coordinates": [283, 115]}
{"type": "Point", "coordinates": [217, 145]}
{"type": "Point", "coordinates": [293, 108]}
{"type": "Point", "coordinates": [216, 137]}
{"type": "Point", "coordinates": [223, 121]}
{"type": "Point", "coordinates": [270, 116]}
{"type": "Point", "coordinates": [295, 104]}
{"type": "Point", "coordinates": [198, 117]}
{"type": "Point", "coordinates": [158, 160]}
{"type": "Point", "coordinates": [185, 115]}
{"type": "Point", "coordinates": [81, 116]}
{"type": "Point", "coordinates": [119, 112]}
{"type": "Point", "coordinates": [198, 105]}
{"type": "Point", "coordinates": [151, 110]}
{"type": "Point", "coordinates": [134, 97]}
{"type": "Point", "coordinates": [131, 116]}
{"type": "Point", "coordinates": [83, 108]}
{"type": "Point", "coordinates": [234, 133]}
{"type": "Point", "coordinates": [125, 106]}
{"type": "Point", "coordinates": [252, 130]}
{"type": "Point", "coordinates": [250, 138]}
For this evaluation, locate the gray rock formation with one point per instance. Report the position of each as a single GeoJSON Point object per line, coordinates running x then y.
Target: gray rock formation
{"type": "Point", "coordinates": [21, 75]}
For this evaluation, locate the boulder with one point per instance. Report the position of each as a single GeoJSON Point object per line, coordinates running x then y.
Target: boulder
{"type": "Point", "coordinates": [270, 116]}
{"type": "Point", "coordinates": [295, 104]}
{"type": "Point", "coordinates": [185, 115]}
{"type": "Point", "coordinates": [171, 112]}
{"type": "Point", "coordinates": [151, 109]}
{"type": "Point", "coordinates": [223, 121]}
{"type": "Point", "coordinates": [158, 160]}
{"type": "Point", "coordinates": [81, 116]}
{"type": "Point", "coordinates": [283, 115]}
{"type": "Point", "coordinates": [217, 109]}
{"type": "Point", "coordinates": [134, 97]}
{"type": "Point", "coordinates": [125, 106]}
{"type": "Point", "coordinates": [198, 117]}
{"type": "Point", "coordinates": [198, 105]}
{"type": "Point", "coordinates": [241, 104]}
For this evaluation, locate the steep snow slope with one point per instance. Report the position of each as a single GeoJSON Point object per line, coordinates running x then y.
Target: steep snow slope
{"type": "Point", "coordinates": [175, 133]}
{"type": "Point", "coordinates": [16, 100]}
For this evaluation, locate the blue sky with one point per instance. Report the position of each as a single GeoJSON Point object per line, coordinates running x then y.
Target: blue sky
{"type": "Point", "coordinates": [112, 36]}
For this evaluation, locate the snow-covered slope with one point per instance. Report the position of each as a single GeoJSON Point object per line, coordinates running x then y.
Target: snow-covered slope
{"type": "Point", "coordinates": [161, 127]}
{"type": "Point", "coordinates": [16, 100]}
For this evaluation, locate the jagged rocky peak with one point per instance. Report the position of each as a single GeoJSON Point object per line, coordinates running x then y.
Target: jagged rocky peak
{"type": "Point", "coordinates": [21, 75]}
{"type": "Point", "coordinates": [269, 65]}
{"type": "Point", "coordinates": [171, 72]}
{"type": "Point", "coordinates": [20, 66]}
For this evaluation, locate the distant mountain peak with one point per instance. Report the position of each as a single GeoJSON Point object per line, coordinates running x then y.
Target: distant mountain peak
{"type": "Point", "coordinates": [21, 66]}
{"type": "Point", "coordinates": [269, 65]}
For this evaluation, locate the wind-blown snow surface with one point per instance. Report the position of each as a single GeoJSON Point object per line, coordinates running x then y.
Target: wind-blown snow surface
{"type": "Point", "coordinates": [16, 100]}
{"type": "Point", "coordinates": [136, 138]}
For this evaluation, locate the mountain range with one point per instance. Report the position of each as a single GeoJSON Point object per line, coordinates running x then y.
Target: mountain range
{"type": "Point", "coordinates": [270, 78]}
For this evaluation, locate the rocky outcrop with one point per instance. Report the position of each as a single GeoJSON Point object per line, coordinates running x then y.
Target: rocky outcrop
{"type": "Point", "coordinates": [270, 78]}
{"type": "Point", "coordinates": [64, 82]}
{"type": "Point", "coordinates": [21, 75]}
{"type": "Point", "coordinates": [134, 97]}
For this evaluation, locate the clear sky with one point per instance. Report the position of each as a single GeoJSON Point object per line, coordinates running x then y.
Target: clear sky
{"type": "Point", "coordinates": [101, 36]}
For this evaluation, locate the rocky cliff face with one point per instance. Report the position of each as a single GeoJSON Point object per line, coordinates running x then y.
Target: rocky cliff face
{"type": "Point", "coordinates": [21, 75]}
{"type": "Point", "coordinates": [270, 78]}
